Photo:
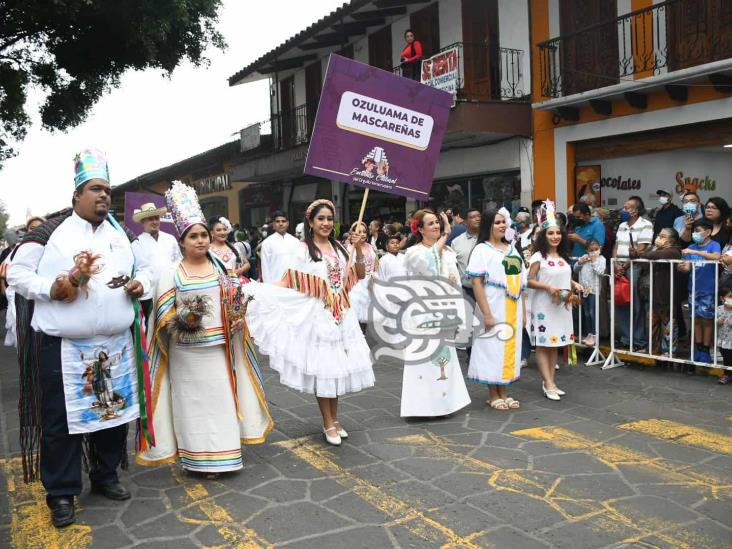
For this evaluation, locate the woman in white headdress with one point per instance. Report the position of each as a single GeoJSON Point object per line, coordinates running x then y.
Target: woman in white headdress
{"type": "Point", "coordinates": [208, 396]}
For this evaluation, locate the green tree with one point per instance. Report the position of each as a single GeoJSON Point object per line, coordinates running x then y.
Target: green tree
{"type": "Point", "coordinates": [77, 50]}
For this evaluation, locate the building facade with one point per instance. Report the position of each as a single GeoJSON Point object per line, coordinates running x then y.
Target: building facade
{"type": "Point", "coordinates": [486, 157]}
{"type": "Point", "coordinates": [631, 96]}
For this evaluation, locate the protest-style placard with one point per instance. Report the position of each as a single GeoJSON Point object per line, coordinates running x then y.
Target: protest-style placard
{"type": "Point", "coordinates": [377, 130]}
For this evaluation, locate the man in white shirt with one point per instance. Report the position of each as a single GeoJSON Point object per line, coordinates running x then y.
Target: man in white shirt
{"type": "Point", "coordinates": [81, 347]}
{"type": "Point", "coordinates": [277, 249]}
{"type": "Point", "coordinates": [161, 249]}
{"type": "Point", "coordinates": [523, 221]}
{"type": "Point", "coordinates": [634, 232]}
{"type": "Point", "coordinates": [463, 245]}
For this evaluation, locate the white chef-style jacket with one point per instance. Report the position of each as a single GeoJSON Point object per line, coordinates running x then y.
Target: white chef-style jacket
{"type": "Point", "coordinates": [276, 255]}
{"type": "Point", "coordinates": [161, 254]}
{"type": "Point", "coordinates": [101, 311]}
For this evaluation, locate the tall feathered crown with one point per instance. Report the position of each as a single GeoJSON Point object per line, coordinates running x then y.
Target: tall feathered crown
{"type": "Point", "coordinates": [183, 205]}
{"type": "Point", "coordinates": [546, 215]}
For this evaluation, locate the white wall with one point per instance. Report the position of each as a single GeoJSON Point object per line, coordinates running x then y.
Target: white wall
{"type": "Point", "coordinates": [499, 157]}
{"type": "Point", "coordinates": [513, 32]}
{"type": "Point", "coordinates": [665, 170]}
{"type": "Point", "coordinates": [652, 120]}
{"type": "Point", "coordinates": [361, 50]}
{"type": "Point", "coordinates": [451, 22]}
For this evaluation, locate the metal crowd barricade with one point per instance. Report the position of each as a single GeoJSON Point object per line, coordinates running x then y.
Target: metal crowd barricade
{"type": "Point", "coordinates": [597, 356]}
{"type": "Point", "coordinates": [612, 360]}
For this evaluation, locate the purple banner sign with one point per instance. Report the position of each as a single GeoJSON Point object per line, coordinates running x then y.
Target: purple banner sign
{"type": "Point", "coordinates": [377, 130]}
{"type": "Point", "coordinates": [133, 201]}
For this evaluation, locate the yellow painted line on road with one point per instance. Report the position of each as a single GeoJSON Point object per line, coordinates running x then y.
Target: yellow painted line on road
{"type": "Point", "coordinates": [665, 429]}
{"type": "Point", "coordinates": [598, 515]}
{"type": "Point", "coordinates": [30, 526]}
{"type": "Point", "coordinates": [615, 456]}
{"type": "Point", "coordinates": [236, 535]}
{"type": "Point", "coordinates": [399, 511]}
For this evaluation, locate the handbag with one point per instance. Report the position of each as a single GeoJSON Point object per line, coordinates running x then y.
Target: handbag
{"type": "Point", "coordinates": [622, 290]}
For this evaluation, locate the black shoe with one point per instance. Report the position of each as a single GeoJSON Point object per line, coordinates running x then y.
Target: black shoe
{"type": "Point", "coordinates": [62, 510]}
{"type": "Point", "coordinates": [113, 491]}
{"type": "Point", "coordinates": [690, 370]}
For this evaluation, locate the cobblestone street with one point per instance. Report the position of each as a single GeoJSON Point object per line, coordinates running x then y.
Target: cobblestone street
{"type": "Point", "coordinates": [629, 458]}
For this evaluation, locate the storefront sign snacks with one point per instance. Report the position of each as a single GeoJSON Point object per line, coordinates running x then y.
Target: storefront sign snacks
{"type": "Point", "coordinates": [377, 130]}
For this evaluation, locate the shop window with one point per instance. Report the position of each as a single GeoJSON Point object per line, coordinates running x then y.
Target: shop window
{"type": "Point", "coordinates": [216, 206]}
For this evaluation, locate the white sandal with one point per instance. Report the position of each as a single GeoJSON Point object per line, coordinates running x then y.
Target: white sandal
{"type": "Point", "coordinates": [341, 431]}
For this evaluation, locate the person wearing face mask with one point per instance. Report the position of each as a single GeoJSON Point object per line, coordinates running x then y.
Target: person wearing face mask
{"type": "Point", "coordinates": [702, 286]}
{"type": "Point", "coordinates": [587, 227]}
{"type": "Point", "coordinates": [634, 232]}
{"type": "Point", "coordinates": [666, 246]}
{"type": "Point", "coordinates": [666, 213]}
{"type": "Point", "coordinates": [691, 206]}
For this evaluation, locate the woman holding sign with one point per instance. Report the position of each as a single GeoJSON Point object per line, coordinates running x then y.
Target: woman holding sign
{"type": "Point", "coordinates": [312, 335]}
{"type": "Point", "coordinates": [433, 385]}
{"type": "Point", "coordinates": [411, 56]}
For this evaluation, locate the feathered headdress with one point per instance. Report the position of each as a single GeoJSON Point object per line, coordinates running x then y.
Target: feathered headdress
{"type": "Point", "coordinates": [546, 215]}
{"type": "Point", "coordinates": [183, 206]}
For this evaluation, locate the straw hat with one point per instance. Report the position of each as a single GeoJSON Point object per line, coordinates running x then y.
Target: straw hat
{"type": "Point", "coordinates": [148, 210]}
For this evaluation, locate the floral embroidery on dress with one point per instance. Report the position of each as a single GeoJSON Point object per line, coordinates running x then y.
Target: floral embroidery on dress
{"type": "Point", "coordinates": [550, 263]}
{"type": "Point", "coordinates": [542, 339]}
{"type": "Point", "coordinates": [335, 272]}
{"type": "Point", "coordinates": [542, 328]}
{"type": "Point", "coordinates": [553, 339]}
{"type": "Point", "coordinates": [541, 316]}
{"type": "Point", "coordinates": [561, 263]}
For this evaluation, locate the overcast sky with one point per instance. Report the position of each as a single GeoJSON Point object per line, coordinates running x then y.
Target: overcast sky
{"type": "Point", "coordinates": [152, 121]}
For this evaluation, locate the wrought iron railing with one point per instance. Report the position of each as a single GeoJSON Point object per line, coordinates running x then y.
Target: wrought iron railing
{"type": "Point", "coordinates": [294, 127]}
{"type": "Point", "coordinates": [481, 72]}
{"type": "Point", "coordinates": [667, 36]}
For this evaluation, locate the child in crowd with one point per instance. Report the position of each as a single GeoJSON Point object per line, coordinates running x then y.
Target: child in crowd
{"type": "Point", "coordinates": [724, 330]}
{"type": "Point", "coordinates": [590, 268]}
{"type": "Point", "coordinates": [392, 264]}
{"type": "Point", "coordinates": [702, 286]}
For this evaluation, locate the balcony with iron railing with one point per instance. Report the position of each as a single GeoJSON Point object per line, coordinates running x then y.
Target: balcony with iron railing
{"type": "Point", "coordinates": [666, 37]}
{"type": "Point", "coordinates": [481, 72]}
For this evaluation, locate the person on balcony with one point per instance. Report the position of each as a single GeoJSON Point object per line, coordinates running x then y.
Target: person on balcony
{"type": "Point", "coordinates": [411, 56]}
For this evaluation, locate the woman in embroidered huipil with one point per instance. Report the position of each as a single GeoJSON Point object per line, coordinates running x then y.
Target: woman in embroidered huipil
{"type": "Point", "coordinates": [498, 279]}
{"type": "Point", "coordinates": [433, 386]}
{"type": "Point", "coordinates": [311, 334]}
{"type": "Point", "coordinates": [360, 298]}
{"type": "Point", "coordinates": [208, 396]}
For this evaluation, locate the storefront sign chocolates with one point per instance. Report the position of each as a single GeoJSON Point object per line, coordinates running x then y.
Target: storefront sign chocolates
{"type": "Point", "coordinates": [627, 184]}
{"type": "Point", "coordinates": [377, 130]}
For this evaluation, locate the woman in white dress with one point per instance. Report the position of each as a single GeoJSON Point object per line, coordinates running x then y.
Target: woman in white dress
{"type": "Point", "coordinates": [306, 325]}
{"type": "Point", "coordinates": [360, 296]}
{"type": "Point", "coordinates": [498, 278]}
{"type": "Point", "coordinates": [433, 387]}
{"type": "Point", "coordinates": [208, 396]}
{"type": "Point", "coordinates": [550, 276]}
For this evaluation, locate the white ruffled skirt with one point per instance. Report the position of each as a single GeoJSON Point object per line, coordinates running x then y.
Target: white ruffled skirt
{"type": "Point", "coordinates": [310, 351]}
{"type": "Point", "coordinates": [360, 300]}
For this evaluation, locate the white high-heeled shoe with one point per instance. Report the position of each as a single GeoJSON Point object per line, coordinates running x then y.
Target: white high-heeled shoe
{"type": "Point", "coordinates": [560, 392]}
{"type": "Point", "coordinates": [341, 431]}
{"type": "Point", "coordinates": [334, 440]}
{"type": "Point", "coordinates": [550, 394]}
